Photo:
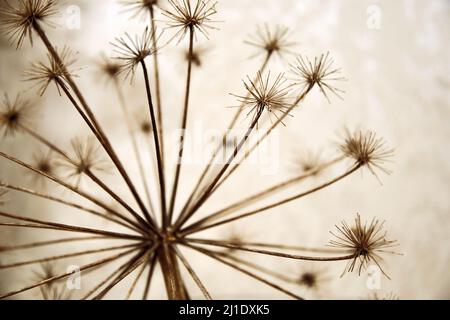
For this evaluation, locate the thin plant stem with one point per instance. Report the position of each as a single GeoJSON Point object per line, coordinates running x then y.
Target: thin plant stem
{"type": "Point", "coordinates": [183, 218]}
{"type": "Point", "coordinates": [183, 127]}
{"type": "Point", "coordinates": [278, 203]}
{"type": "Point", "coordinates": [157, 87]}
{"type": "Point", "coordinates": [219, 147]}
{"type": "Point", "coordinates": [134, 143]}
{"type": "Point", "coordinates": [193, 274]}
{"type": "Point", "coordinates": [98, 131]}
{"type": "Point", "coordinates": [224, 244]}
{"type": "Point", "coordinates": [162, 183]}
{"type": "Point", "coordinates": [151, 271]}
{"type": "Point", "coordinates": [287, 247]}
{"type": "Point", "coordinates": [48, 243]}
{"type": "Point", "coordinates": [74, 189]}
{"type": "Point", "coordinates": [169, 265]}
{"type": "Point", "coordinates": [136, 280]}
{"type": "Point", "coordinates": [64, 256]}
{"type": "Point", "coordinates": [244, 271]}
{"type": "Point", "coordinates": [65, 227]}
{"type": "Point", "coordinates": [70, 204]}
{"type": "Point", "coordinates": [261, 195]}
{"type": "Point", "coordinates": [67, 274]}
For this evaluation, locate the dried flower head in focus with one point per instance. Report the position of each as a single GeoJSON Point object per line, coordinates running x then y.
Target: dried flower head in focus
{"type": "Point", "coordinates": [366, 241]}
{"type": "Point", "coordinates": [367, 150]}
{"type": "Point", "coordinates": [320, 72]}
{"type": "Point", "coordinates": [18, 21]}
{"type": "Point", "coordinates": [186, 16]}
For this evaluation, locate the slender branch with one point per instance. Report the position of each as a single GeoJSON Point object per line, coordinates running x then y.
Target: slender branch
{"type": "Point", "coordinates": [219, 147]}
{"type": "Point", "coordinates": [67, 274]}
{"type": "Point", "coordinates": [151, 270]}
{"type": "Point", "coordinates": [134, 143]}
{"type": "Point", "coordinates": [65, 227]}
{"type": "Point", "coordinates": [97, 130]}
{"type": "Point", "coordinates": [183, 126]}
{"type": "Point", "coordinates": [74, 189]}
{"type": "Point", "coordinates": [48, 243]}
{"type": "Point", "coordinates": [136, 280]}
{"type": "Point", "coordinates": [193, 274]}
{"type": "Point", "coordinates": [183, 218]}
{"type": "Point", "coordinates": [270, 253]}
{"type": "Point", "coordinates": [242, 270]}
{"type": "Point", "coordinates": [157, 87]}
{"type": "Point", "coordinates": [64, 256]}
{"type": "Point", "coordinates": [261, 195]}
{"type": "Point", "coordinates": [161, 177]}
{"type": "Point", "coordinates": [287, 247]}
{"type": "Point", "coordinates": [278, 203]}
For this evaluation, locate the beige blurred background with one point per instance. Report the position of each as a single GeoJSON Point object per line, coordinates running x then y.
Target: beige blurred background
{"type": "Point", "coordinates": [396, 57]}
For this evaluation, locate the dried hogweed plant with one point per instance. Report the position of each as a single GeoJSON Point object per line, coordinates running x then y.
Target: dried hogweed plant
{"type": "Point", "coordinates": [148, 233]}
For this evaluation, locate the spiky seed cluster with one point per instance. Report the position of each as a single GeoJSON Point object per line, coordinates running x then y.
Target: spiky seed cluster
{"type": "Point", "coordinates": [139, 7]}
{"type": "Point", "coordinates": [366, 149]}
{"type": "Point", "coordinates": [320, 72]}
{"type": "Point", "coordinates": [43, 74]}
{"type": "Point", "coordinates": [44, 162]}
{"type": "Point", "coordinates": [87, 158]}
{"type": "Point", "coordinates": [15, 114]}
{"type": "Point", "coordinates": [185, 17]}
{"type": "Point", "coordinates": [109, 69]}
{"type": "Point", "coordinates": [18, 21]}
{"type": "Point", "coordinates": [309, 161]}
{"type": "Point", "coordinates": [132, 51]}
{"type": "Point", "coordinates": [271, 40]}
{"type": "Point", "coordinates": [50, 291]}
{"type": "Point", "coordinates": [264, 94]}
{"type": "Point", "coordinates": [365, 241]}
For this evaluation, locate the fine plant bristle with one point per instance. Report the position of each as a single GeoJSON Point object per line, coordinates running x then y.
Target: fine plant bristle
{"type": "Point", "coordinates": [366, 241]}
{"type": "Point", "coordinates": [146, 221]}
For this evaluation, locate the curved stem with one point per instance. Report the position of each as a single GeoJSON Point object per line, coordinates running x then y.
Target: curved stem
{"type": "Point", "coordinates": [270, 253]}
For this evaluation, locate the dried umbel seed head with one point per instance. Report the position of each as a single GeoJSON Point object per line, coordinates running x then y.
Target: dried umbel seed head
{"type": "Point", "coordinates": [44, 162]}
{"type": "Point", "coordinates": [367, 150]}
{"type": "Point", "coordinates": [196, 57]}
{"type": "Point", "coordinates": [18, 21]}
{"type": "Point", "coordinates": [186, 16]}
{"type": "Point", "coordinates": [139, 7]}
{"type": "Point", "coordinates": [43, 74]}
{"type": "Point", "coordinates": [320, 72]}
{"type": "Point", "coordinates": [264, 94]}
{"type": "Point", "coordinates": [15, 114]}
{"type": "Point", "coordinates": [88, 158]}
{"type": "Point", "coordinates": [108, 68]}
{"type": "Point", "coordinates": [365, 241]}
{"type": "Point", "coordinates": [271, 40]}
{"type": "Point", "coordinates": [132, 51]}
{"type": "Point", "coordinates": [309, 161]}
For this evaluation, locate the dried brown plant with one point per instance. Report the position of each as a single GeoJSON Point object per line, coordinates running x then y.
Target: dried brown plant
{"type": "Point", "coordinates": [150, 231]}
